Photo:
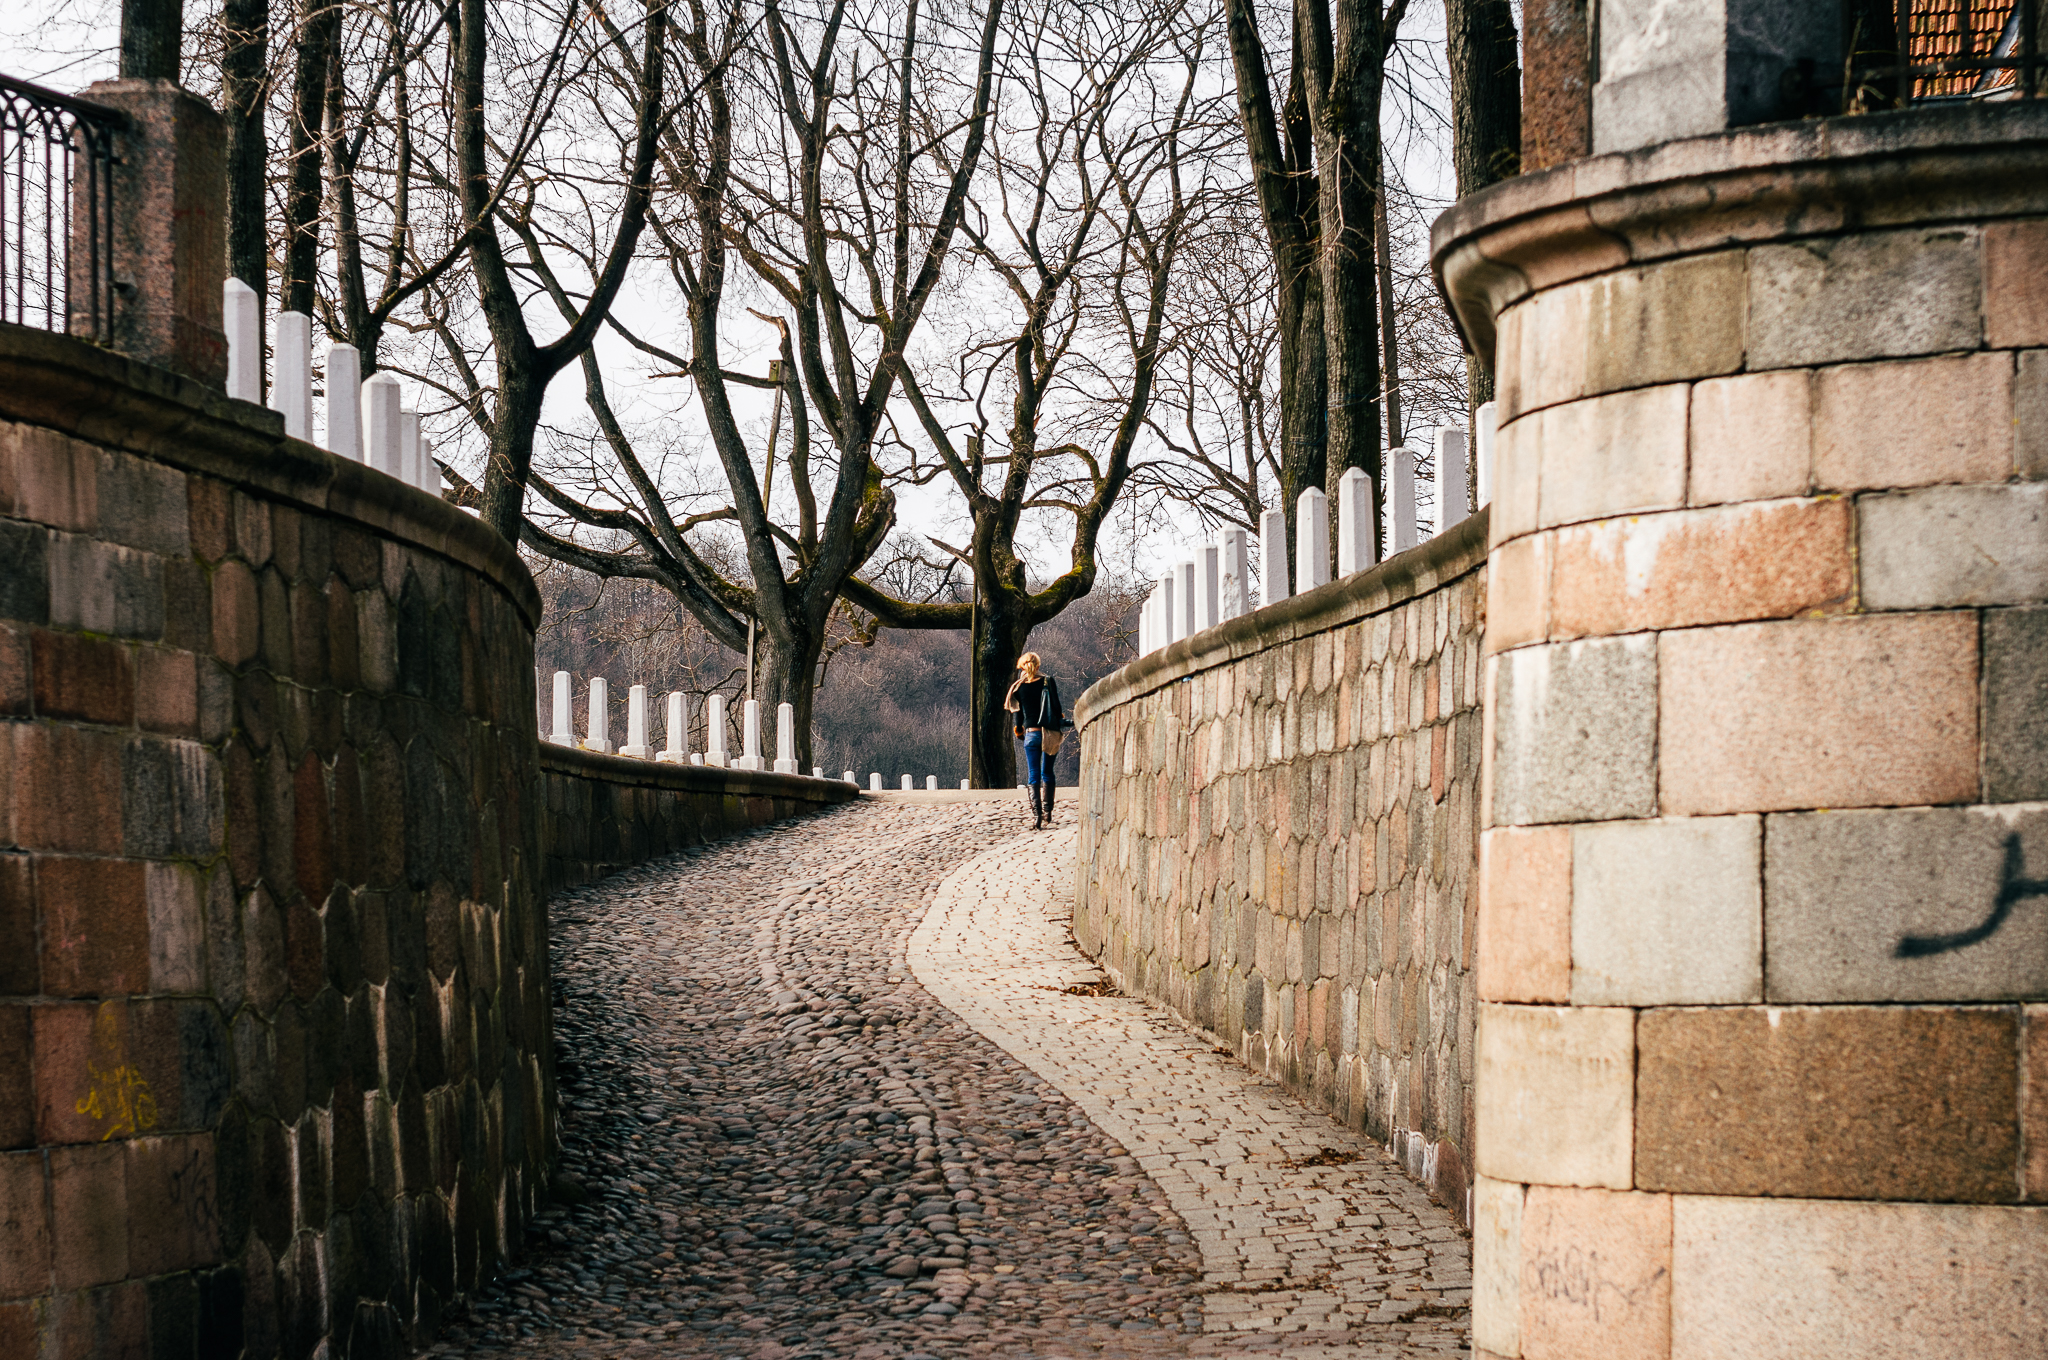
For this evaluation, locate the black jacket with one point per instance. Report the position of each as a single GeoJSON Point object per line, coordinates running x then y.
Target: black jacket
{"type": "Point", "coordinates": [1038, 705]}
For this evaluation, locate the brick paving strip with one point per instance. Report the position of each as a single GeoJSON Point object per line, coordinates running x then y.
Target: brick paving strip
{"type": "Point", "coordinates": [779, 1145]}
{"type": "Point", "coordinates": [1313, 1243]}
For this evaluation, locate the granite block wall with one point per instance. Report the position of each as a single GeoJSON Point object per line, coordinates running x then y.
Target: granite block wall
{"type": "Point", "coordinates": [275, 1056]}
{"type": "Point", "coordinates": [1279, 841]}
{"type": "Point", "coordinates": [1763, 953]}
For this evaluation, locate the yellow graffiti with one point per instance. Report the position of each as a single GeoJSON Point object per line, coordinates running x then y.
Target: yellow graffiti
{"type": "Point", "coordinates": [117, 1091]}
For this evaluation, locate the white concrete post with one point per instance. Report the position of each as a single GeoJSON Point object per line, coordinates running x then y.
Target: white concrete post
{"type": "Point", "coordinates": [714, 733]}
{"type": "Point", "coordinates": [1312, 540]}
{"type": "Point", "coordinates": [637, 745]}
{"type": "Point", "coordinates": [1233, 586]}
{"type": "Point", "coordinates": [242, 319]}
{"type": "Point", "coordinates": [817, 771]}
{"type": "Point", "coordinates": [1451, 451]}
{"type": "Point", "coordinates": [750, 737]}
{"type": "Point", "coordinates": [430, 471]}
{"type": "Point", "coordinates": [963, 784]}
{"type": "Point", "coordinates": [931, 783]}
{"type": "Point", "coordinates": [409, 447]}
{"type": "Point", "coordinates": [848, 777]}
{"type": "Point", "coordinates": [1354, 521]}
{"type": "Point", "coordinates": [1486, 420]}
{"type": "Point", "coordinates": [1168, 605]}
{"type": "Point", "coordinates": [785, 739]}
{"type": "Point", "coordinates": [291, 383]}
{"type": "Point", "coordinates": [563, 733]}
{"type": "Point", "coordinates": [381, 426]}
{"type": "Point", "coordinates": [1273, 586]}
{"type": "Point", "coordinates": [1184, 599]}
{"type": "Point", "coordinates": [874, 781]}
{"type": "Point", "coordinates": [600, 719]}
{"type": "Point", "coordinates": [345, 402]}
{"type": "Point", "coordinates": [1400, 500]}
{"type": "Point", "coordinates": [678, 750]}
{"type": "Point", "coordinates": [907, 786]}
{"type": "Point", "coordinates": [1208, 585]}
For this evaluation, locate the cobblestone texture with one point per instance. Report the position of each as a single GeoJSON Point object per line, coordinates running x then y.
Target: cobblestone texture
{"type": "Point", "coordinates": [782, 1145]}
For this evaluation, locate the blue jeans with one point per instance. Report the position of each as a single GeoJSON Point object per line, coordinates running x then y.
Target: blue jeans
{"type": "Point", "coordinates": [1037, 764]}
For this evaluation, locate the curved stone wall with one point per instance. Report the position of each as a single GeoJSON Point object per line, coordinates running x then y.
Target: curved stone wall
{"type": "Point", "coordinates": [1762, 1062]}
{"type": "Point", "coordinates": [273, 969]}
{"type": "Point", "coordinates": [1278, 841]}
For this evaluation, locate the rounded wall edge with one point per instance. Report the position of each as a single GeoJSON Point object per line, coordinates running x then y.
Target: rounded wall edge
{"type": "Point", "coordinates": [74, 387]}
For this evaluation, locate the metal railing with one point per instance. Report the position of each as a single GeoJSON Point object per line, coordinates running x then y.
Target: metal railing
{"type": "Point", "coordinates": [1911, 52]}
{"type": "Point", "coordinates": [57, 156]}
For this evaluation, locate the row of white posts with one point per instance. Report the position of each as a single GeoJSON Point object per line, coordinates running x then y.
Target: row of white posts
{"type": "Point", "coordinates": [1214, 585]}
{"type": "Point", "coordinates": [367, 420]}
{"type": "Point", "coordinates": [597, 732]}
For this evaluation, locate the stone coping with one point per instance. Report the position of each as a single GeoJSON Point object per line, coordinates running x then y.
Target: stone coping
{"type": "Point", "coordinates": [701, 779]}
{"type": "Point", "coordinates": [1912, 167]}
{"type": "Point", "coordinates": [104, 398]}
{"type": "Point", "coordinates": [1403, 577]}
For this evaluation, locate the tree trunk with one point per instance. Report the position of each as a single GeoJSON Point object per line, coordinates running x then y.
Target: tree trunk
{"type": "Point", "coordinates": [1486, 121]}
{"type": "Point", "coordinates": [998, 642]}
{"type": "Point", "coordinates": [152, 39]}
{"type": "Point", "coordinates": [245, 41]}
{"type": "Point", "coordinates": [511, 450]}
{"type": "Point", "coordinates": [788, 663]}
{"type": "Point", "coordinates": [319, 30]}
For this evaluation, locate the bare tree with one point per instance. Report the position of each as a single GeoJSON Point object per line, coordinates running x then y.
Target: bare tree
{"type": "Point", "coordinates": [1486, 113]}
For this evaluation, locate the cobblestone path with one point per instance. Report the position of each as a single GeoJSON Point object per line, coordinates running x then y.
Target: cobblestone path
{"type": "Point", "coordinates": [782, 1145]}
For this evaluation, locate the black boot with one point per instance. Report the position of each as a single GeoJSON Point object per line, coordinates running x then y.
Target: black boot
{"type": "Point", "coordinates": [1037, 810]}
{"type": "Point", "coordinates": [1048, 802]}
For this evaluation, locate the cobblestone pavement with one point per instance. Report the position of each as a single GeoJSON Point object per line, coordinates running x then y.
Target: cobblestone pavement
{"type": "Point", "coordinates": [779, 1145]}
{"type": "Point", "coordinates": [1309, 1233]}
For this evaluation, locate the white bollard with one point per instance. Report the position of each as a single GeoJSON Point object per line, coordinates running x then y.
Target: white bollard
{"type": "Point", "coordinates": [1354, 521]}
{"type": "Point", "coordinates": [409, 447]}
{"type": "Point", "coordinates": [1208, 586]}
{"type": "Point", "coordinates": [1273, 586]}
{"type": "Point", "coordinates": [430, 471]}
{"type": "Point", "coordinates": [637, 745]}
{"type": "Point", "coordinates": [600, 719]}
{"type": "Point", "coordinates": [785, 739]}
{"type": "Point", "coordinates": [1486, 420]}
{"type": "Point", "coordinates": [750, 737]}
{"type": "Point", "coordinates": [678, 749]}
{"type": "Point", "coordinates": [564, 733]}
{"type": "Point", "coordinates": [291, 382]}
{"type": "Point", "coordinates": [242, 319]}
{"type": "Point", "coordinates": [817, 771]}
{"type": "Point", "coordinates": [696, 757]}
{"type": "Point", "coordinates": [1170, 620]}
{"type": "Point", "coordinates": [874, 782]}
{"type": "Point", "coordinates": [1401, 500]}
{"type": "Point", "coordinates": [1312, 539]}
{"type": "Point", "coordinates": [1145, 624]}
{"type": "Point", "coordinates": [345, 402]}
{"type": "Point", "coordinates": [381, 425]}
{"type": "Point", "coordinates": [963, 785]}
{"type": "Point", "coordinates": [1233, 590]}
{"type": "Point", "coordinates": [1184, 598]}
{"type": "Point", "coordinates": [931, 783]}
{"type": "Point", "coordinates": [848, 777]}
{"type": "Point", "coordinates": [714, 733]}
{"type": "Point", "coordinates": [1450, 476]}
{"type": "Point", "coordinates": [907, 785]}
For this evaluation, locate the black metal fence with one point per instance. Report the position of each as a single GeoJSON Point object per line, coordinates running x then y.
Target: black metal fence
{"type": "Point", "coordinates": [1907, 52]}
{"type": "Point", "coordinates": [57, 157]}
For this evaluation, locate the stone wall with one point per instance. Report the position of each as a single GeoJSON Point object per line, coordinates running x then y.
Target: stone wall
{"type": "Point", "coordinates": [1762, 942]}
{"type": "Point", "coordinates": [275, 1059]}
{"type": "Point", "coordinates": [1279, 842]}
{"type": "Point", "coordinates": [600, 813]}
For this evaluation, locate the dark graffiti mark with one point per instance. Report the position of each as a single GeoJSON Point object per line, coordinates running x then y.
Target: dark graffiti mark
{"type": "Point", "coordinates": [2012, 890]}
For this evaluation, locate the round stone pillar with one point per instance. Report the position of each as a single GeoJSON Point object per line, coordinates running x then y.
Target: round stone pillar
{"type": "Point", "coordinates": [1763, 930]}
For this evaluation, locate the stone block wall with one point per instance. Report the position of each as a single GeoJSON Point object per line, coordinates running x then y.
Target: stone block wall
{"type": "Point", "coordinates": [1279, 842]}
{"type": "Point", "coordinates": [1763, 926]}
{"type": "Point", "coordinates": [275, 1057]}
{"type": "Point", "coordinates": [599, 813]}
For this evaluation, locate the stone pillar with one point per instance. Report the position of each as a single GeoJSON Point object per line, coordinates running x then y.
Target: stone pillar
{"type": "Point", "coordinates": [344, 402]}
{"type": "Point", "coordinates": [241, 319]}
{"type": "Point", "coordinates": [1208, 585]}
{"type": "Point", "coordinates": [1312, 539]}
{"type": "Point", "coordinates": [1401, 535]}
{"type": "Point", "coordinates": [750, 737]}
{"type": "Point", "coordinates": [677, 751]}
{"type": "Point", "coordinates": [562, 730]}
{"type": "Point", "coordinates": [383, 427]}
{"type": "Point", "coordinates": [637, 745]}
{"type": "Point", "coordinates": [1354, 521]}
{"type": "Point", "coordinates": [785, 739]}
{"type": "Point", "coordinates": [931, 783]}
{"type": "Point", "coordinates": [291, 386]}
{"type": "Point", "coordinates": [1184, 600]}
{"type": "Point", "coordinates": [874, 782]}
{"type": "Point", "coordinates": [1763, 921]}
{"type": "Point", "coordinates": [1451, 500]}
{"type": "Point", "coordinates": [1170, 621]}
{"type": "Point", "coordinates": [907, 786]}
{"type": "Point", "coordinates": [599, 738]}
{"type": "Point", "coordinates": [714, 733]}
{"type": "Point", "coordinates": [1273, 586]}
{"type": "Point", "coordinates": [1485, 424]}
{"type": "Point", "coordinates": [169, 229]}
{"type": "Point", "coordinates": [1234, 585]}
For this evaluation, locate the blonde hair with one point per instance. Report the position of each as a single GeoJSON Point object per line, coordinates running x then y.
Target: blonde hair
{"type": "Point", "coordinates": [1030, 659]}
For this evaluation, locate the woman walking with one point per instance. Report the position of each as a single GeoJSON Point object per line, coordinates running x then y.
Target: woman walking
{"type": "Point", "coordinates": [1040, 724]}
